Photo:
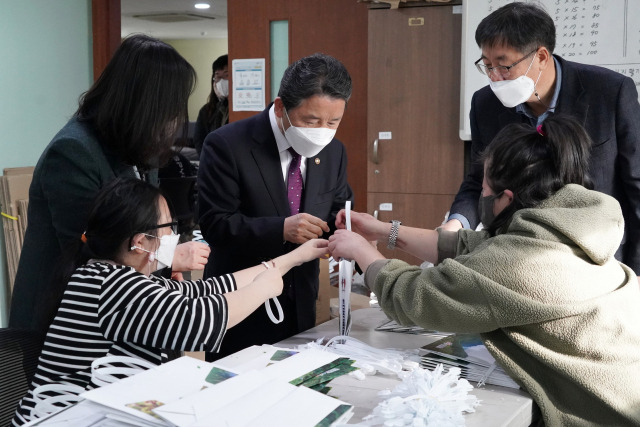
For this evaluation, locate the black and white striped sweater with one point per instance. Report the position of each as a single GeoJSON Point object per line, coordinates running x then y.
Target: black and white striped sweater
{"type": "Point", "coordinates": [113, 310]}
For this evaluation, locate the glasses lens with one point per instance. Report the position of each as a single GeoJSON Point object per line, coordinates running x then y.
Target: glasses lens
{"type": "Point", "coordinates": [501, 71]}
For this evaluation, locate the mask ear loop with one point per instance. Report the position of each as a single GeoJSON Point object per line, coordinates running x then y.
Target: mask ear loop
{"type": "Point", "coordinates": [267, 306]}
{"type": "Point", "coordinates": [152, 256]}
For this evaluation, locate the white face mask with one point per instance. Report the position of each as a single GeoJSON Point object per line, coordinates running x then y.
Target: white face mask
{"type": "Point", "coordinates": [166, 250]}
{"type": "Point", "coordinates": [222, 88]}
{"type": "Point", "coordinates": [516, 91]}
{"type": "Point", "coordinates": [308, 141]}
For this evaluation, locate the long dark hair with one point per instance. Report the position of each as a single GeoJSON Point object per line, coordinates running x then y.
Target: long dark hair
{"type": "Point", "coordinates": [139, 103]}
{"type": "Point", "coordinates": [535, 163]}
{"type": "Point", "coordinates": [216, 110]}
{"type": "Point", "coordinates": [121, 209]}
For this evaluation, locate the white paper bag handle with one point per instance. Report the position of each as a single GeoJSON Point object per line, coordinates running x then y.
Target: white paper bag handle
{"type": "Point", "coordinates": [267, 306]}
{"type": "Point", "coordinates": [104, 375]}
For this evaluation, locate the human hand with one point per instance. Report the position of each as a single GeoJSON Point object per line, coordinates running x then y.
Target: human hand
{"type": "Point", "coordinates": [452, 225]}
{"type": "Point", "coordinates": [363, 224]}
{"type": "Point", "coordinates": [352, 246]}
{"type": "Point", "coordinates": [303, 227]}
{"type": "Point", "coordinates": [310, 250]}
{"type": "Point", "coordinates": [176, 275]}
{"type": "Point", "coordinates": [270, 280]}
{"type": "Point", "coordinates": [190, 256]}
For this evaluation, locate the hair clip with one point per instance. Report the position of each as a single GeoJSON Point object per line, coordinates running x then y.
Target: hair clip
{"type": "Point", "coordinates": [540, 131]}
{"type": "Point", "coordinates": [84, 237]}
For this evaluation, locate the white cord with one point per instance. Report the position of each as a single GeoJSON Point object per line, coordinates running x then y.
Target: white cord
{"type": "Point", "coordinates": [272, 317]}
{"type": "Point", "coordinates": [267, 306]}
{"type": "Point", "coordinates": [66, 394]}
{"type": "Point", "coordinates": [104, 375]}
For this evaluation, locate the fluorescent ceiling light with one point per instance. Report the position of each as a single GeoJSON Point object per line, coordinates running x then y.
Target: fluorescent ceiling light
{"type": "Point", "coordinates": [202, 6]}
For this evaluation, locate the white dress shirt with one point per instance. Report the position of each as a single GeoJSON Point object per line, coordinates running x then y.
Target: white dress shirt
{"type": "Point", "coordinates": [283, 148]}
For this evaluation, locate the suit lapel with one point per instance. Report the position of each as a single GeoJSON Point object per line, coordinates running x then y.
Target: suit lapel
{"type": "Point", "coordinates": [316, 169]}
{"type": "Point", "coordinates": [572, 93]}
{"type": "Point", "coordinates": [265, 154]}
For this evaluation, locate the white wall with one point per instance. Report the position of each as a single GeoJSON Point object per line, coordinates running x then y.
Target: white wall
{"type": "Point", "coordinates": [200, 53]}
{"type": "Point", "coordinates": [46, 65]}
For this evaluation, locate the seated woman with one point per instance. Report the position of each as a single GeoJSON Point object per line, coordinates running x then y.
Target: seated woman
{"type": "Point", "coordinates": [113, 306]}
{"type": "Point", "coordinates": [540, 283]}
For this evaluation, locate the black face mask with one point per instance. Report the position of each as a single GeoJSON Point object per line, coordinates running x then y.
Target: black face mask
{"type": "Point", "coordinates": [486, 208]}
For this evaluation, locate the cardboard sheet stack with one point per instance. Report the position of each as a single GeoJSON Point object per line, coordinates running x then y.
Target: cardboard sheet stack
{"type": "Point", "coordinates": [14, 198]}
{"type": "Point", "coordinates": [270, 387]}
{"type": "Point", "coordinates": [467, 352]}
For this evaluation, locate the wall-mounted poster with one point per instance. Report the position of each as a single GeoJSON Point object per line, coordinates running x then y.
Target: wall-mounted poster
{"type": "Point", "coordinates": [248, 84]}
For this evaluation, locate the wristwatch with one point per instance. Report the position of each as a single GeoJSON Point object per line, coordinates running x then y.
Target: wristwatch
{"type": "Point", "coordinates": [393, 234]}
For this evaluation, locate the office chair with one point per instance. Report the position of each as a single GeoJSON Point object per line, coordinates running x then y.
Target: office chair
{"type": "Point", "coordinates": [19, 352]}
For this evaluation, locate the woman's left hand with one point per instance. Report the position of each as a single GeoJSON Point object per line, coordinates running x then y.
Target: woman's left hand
{"type": "Point", "coordinates": [190, 256]}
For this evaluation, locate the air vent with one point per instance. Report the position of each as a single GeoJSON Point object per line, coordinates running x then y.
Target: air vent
{"type": "Point", "coordinates": [173, 17]}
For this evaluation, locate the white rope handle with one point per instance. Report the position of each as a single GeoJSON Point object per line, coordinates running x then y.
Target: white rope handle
{"type": "Point", "coordinates": [102, 374]}
{"type": "Point", "coordinates": [66, 394]}
{"type": "Point", "coordinates": [267, 306]}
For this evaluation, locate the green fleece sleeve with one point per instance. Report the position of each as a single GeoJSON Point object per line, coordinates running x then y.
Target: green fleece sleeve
{"type": "Point", "coordinates": [444, 298]}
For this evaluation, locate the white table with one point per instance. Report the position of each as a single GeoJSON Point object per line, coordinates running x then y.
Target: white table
{"type": "Point", "coordinates": [499, 406]}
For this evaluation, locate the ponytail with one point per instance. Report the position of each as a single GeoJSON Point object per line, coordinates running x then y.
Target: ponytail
{"type": "Point", "coordinates": [534, 163]}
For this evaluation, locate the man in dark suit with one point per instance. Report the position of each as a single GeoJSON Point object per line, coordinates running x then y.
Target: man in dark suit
{"type": "Point", "coordinates": [250, 203]}
{"type": "Point", "coordinates": [527, 84]}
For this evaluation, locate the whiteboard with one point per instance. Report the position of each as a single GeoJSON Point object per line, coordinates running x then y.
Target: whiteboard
{"type": "Point", "coordinates": [598, 32]}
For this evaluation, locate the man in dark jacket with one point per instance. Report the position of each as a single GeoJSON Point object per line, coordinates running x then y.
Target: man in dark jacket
{"type": "Point", "coordinates": [527, 84]}
{"type": "Point", "coordinates": [271, 182]}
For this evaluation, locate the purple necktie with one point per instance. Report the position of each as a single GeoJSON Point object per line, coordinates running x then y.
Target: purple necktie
{"type": "Point", "coordinates": [294, 182]}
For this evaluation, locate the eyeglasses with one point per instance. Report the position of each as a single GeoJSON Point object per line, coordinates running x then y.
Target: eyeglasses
{"type": "Point", "coordinates": [172, 224]}
{"type": "Point", "coordinates": [502, 70]}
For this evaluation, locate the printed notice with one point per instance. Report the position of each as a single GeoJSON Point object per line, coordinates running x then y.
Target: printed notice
{"type": "Point", "coordinates": [248, 84]}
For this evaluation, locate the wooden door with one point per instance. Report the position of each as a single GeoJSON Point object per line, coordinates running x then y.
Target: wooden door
{"type": "Point", "coordinates": [334, 27]}
{"type": "Point", "coordinates": [413, 96]}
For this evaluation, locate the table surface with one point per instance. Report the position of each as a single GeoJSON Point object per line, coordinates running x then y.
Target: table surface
{"type": "Point", "coordinates": [499, 406]}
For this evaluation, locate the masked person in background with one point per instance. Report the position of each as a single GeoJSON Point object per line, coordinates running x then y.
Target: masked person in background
{"type": "Point", "coordinates": [111, 305]}
{"type": "Point", "coordinates": [540, 284]}
{"type": "Point", "coordinates": [215, 112]}
{"type": "Point", "coordinates": [271, 182]}
{"type": "Point", "coordinates": [528, 84]}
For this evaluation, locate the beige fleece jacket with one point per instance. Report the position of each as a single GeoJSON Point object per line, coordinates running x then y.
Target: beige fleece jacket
{"type": "Point", "coordinates": [553, 306]}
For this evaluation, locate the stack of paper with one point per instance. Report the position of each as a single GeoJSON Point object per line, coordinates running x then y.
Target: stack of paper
{"type": "Point", "coordinates": [189, 392]}
{"type": "Point", "coordinates": [14, 196]}
{"type": "Point", "coordinates": [393, 326]}
{"type": "Point", "coordinates": [255, 399]}
{"type": "Point", "coordinates": [467, 352]}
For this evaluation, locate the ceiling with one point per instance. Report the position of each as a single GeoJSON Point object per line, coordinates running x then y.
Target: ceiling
{"type": "Point", "coordinates": [180, 19]}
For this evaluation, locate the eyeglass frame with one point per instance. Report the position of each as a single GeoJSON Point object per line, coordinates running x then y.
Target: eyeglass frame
{"type": "Point", "coordinates": [172, 224]}
{"type": "Point", "coordinates": [487, 71]}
